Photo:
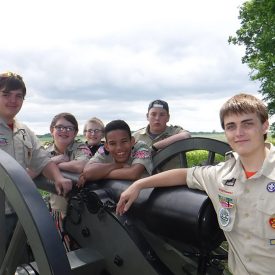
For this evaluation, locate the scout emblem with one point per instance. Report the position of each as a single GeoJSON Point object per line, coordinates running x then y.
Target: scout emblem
{"type": "Point", "coordinates": [226, 202]}
{"type": "Point", "coordinates": [224, 216]}
{"type": "Point", "coordinates": [272, 222]}
{"type": "Point", "coordinates": [3, 141]}
{"type": "Point", "coordinates": [271, 187]}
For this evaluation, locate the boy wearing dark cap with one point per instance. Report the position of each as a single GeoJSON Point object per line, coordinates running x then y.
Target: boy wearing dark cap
{"type": "Point", "coordinates": [158, 134]}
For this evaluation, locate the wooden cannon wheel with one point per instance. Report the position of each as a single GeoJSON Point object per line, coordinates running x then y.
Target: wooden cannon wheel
{"type": "Point", "coordinates": [182, 147]}
{"type": "Point", "coordinates": [35, 225]}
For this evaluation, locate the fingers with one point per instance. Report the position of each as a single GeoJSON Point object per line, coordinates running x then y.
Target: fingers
{"type": "Point", "coordinates": [63, 187]}
{"type": "Point", "coordinates": [81, 181]}
{"type": "Point", "coordinates": [120, 207]}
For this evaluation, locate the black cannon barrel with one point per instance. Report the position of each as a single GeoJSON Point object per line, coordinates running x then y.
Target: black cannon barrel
{"type": "Point", "coordinates": [179, 213]}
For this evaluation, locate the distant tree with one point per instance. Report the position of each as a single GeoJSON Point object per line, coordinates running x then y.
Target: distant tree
{"type": "Point", "coordinates": [257, 33]}
{"type": "Point", "coordinates": [272, 129]}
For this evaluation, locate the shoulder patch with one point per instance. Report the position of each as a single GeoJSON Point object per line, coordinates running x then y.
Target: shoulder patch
{"type": "Point", "coordinates": [141, 154]}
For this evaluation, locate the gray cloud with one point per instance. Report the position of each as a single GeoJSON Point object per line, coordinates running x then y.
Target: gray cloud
{"type": "Point", "coordinates": [112, 62]}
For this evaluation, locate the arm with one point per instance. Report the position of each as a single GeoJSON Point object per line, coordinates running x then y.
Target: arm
{"type": "Point", "coordinates": [168, 178]}
{"type": "Point", "coordinates": [96, 171]}
{"type": "Point", "coordinates": [74, 166]}
{"type": "Point", "coordinates": [62, 185]}
{"type": "Point", "coordinates": [167, 141]}
{"type": "Point", "coordinates": [132, 172]}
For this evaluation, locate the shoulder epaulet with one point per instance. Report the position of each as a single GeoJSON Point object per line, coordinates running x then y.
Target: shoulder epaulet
{"type": "Point", "coordinates": [228, 155]}
{"type": "Point", "coordinates": [47, 144]}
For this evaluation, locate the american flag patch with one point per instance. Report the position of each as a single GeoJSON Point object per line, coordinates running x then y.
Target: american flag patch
{"type": "Point", "coordinates": [141, 154]}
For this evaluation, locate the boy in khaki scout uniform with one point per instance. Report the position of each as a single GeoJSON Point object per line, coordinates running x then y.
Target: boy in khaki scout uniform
{"type": "Point", "coordinates": [120, 158]}
{"type": "Point", "coordinates": [19, 141]}
{"type": "Point", "coordinates": [69, 155]}
{"type": "Point", "coordinates": [158, 134]}
{"type": "Point", "coordinates": [242, 188]}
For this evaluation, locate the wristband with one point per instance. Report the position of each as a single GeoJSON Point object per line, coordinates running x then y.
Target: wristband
{"type": "Point", "coordinates": [154, 148]}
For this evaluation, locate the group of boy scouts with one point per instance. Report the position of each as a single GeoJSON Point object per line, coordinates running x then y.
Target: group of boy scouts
{"type": "Point", "coordinates": [242, 188]}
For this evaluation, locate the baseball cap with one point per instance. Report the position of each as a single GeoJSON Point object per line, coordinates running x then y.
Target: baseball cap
{"type": "Point", "coordinates": [159, 104]}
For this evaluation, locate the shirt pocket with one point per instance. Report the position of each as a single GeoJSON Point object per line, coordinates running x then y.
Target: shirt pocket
{"type": "Point", "coordinates": [266, 218]}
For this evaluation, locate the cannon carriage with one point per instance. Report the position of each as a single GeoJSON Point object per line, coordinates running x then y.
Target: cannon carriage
{"type": "Point", "coordinates": [167, 231]}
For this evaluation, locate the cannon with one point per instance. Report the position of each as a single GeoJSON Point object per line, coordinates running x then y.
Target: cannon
{"type": "Point", "coordinates": [167, 231]}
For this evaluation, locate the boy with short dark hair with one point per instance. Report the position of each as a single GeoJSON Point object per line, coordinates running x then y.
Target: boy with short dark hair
{"type": "Point", "coordinates": [17, 139]}
{"type": "Point", "coordinates": [245, 182]}
{"type": "Point", "coordinates": [121, 157]}
{"type": "Point", "coordinates": [20, 142]}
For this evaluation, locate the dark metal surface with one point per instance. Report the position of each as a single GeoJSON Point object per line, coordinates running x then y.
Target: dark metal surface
{"type": "Point", "coordinates": [181, 147]}
{"type": "Point", "coordinates": [34, 217]}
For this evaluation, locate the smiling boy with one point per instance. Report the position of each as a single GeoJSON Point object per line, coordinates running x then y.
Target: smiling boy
{"type": "Point", "coordinates": [245, 180]}
{"type": "Point", "coordinates": [157, 134]}
{"type": "Point", "coordinates": [121, 157]}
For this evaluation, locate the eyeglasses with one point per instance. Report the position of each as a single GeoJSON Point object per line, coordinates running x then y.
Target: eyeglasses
{"type": "Point", "coordinates": [61, 128]}
{"type": "Point", "coordinates": [93, 131]}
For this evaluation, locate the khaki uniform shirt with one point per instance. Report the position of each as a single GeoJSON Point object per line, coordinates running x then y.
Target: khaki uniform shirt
{"type": "Point", "coordinates": [23, 145]}
{"type": "Point", "coordinates": [76, 151]}
{"type": "Point", "coordinates": [140, 154]}
{"type": "Point", "coordinates": [245, 209]}
{"type": "Point", "coordinates": [144, 135]}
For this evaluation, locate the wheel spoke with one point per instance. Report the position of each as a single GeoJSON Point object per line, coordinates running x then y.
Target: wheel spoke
{"type": "Point", "coordinates": [14, 251]}
{"type": "Point", "coordinates": [181, 147]}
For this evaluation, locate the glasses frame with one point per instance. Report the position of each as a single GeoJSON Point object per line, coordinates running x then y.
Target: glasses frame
{"type": "Point", "coordinates": [62, 128]}
{"type": "Point", "coordinates": [93, 131]}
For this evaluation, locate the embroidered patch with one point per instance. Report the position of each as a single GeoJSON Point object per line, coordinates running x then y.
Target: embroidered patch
{"type": "Point", "coordinates": [226, 202]}
{"type": "Point", "coordinates": [224, 216]}
{"type": "Point", "coordinates": [230, 182]}
{"type": "Point", "coordinates": [141, 154]}
{"type": "Point", "coordinates": [272, 222]}
{"type": "Point", "coordinates": [101, 150]}
{"type": "Point", "coordinates": [85, 150]}
{"type": "Point", "coordinates": [3, 142]}
{"type": "Point", "coordinates": [225, 191]}
{"type": "Point", "coordinates": [271, 187]}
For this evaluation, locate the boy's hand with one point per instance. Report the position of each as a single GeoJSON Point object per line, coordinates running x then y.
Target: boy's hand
{"type": "Point", "coordinates": [63, 186]}
{"type": "Point", "coordinates": [126, 199]}
{"type": "Point", "coordinates": [81, 180]}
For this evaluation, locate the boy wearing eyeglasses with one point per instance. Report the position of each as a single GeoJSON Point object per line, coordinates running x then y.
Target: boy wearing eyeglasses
{"type": "Point", "coordinates": [69, 155]}
{"type": "Point", "coordinates": [94, 132]}
{"type": "Point", "coordinates": [120, 158]}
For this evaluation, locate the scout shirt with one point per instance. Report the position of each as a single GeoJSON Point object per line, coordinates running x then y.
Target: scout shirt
{"type": "Point", "coordinates": [144, 135]}
{"type": "Point", "coordinates": [23, 145]}
{"type": "Point", "coordinates": [245, 209]}
{"type": "Point", "coordinates": [75, 151]}
{"type": "Point", "coordinates": [140, 154]}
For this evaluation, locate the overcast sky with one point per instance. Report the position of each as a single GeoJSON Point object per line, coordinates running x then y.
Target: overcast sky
{"type": "Point", "coordinates": [111, 58]}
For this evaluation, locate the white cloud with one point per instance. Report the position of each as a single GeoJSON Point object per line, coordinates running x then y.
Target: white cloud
{"type": "Point", "coordinates": [111, 58]}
